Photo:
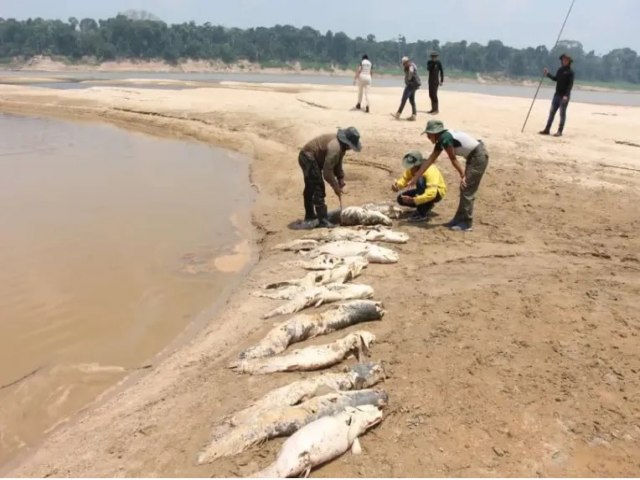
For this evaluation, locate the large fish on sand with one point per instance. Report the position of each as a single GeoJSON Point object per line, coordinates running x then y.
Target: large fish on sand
{"type": "Point", "coordinates": [324, 262]}
{"type": "Point", "coordinates": [305, 326]}
{"type": "Point", "coordinates": [288, 289]}
{"type": "Point", "coordinates": [321, 441]}
{"type": "Point", "coordinates": [373, 253]}
{"type": "Point", "coordinates": [310, 358]}
{"type": "Point", "coordinates": [372, 234]}
{"type": "Point", "coordinates": [316, 296]}
{"type": "Point", "coordinates": [282, 422]}
{"type": "Point", "coordinates": [356, 377]}
{"type": "Point", "coordinates": [351, 216]}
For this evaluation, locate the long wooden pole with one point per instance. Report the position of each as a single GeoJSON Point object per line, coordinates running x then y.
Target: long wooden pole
{"type": "Point", "coordinates": [541, 79]}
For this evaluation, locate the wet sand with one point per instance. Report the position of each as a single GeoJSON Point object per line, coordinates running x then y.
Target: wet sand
{"type": "Point", "coordinates": [511, 350]}
{"type": "Point", "coordinates": [99, 230]}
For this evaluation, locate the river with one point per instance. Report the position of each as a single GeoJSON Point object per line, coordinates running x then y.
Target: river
{"type": "Point", "coordinates": [73, 80]}
{"type": "Point", "coordinates": [112, 243]}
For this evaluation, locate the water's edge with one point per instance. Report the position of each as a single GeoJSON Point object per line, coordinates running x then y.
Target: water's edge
{"type": "Point", "coordinates": [247, 231]}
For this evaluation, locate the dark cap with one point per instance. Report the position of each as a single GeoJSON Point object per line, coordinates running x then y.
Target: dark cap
{"type": "Point", "coordinates": [350, 137]}
{"type": "Point", "coordinates": [567, 56]}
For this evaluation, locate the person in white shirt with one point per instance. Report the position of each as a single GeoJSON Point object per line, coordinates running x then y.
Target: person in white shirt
{"type": "Point", "coordinates": [363, 81]}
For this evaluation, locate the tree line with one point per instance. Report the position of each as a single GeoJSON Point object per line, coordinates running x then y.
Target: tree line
{"type": "Point", "coordinates": [146, 38]}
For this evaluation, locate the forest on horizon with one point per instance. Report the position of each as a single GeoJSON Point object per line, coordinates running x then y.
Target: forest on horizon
{"type": "Point", "coordinates": [140, 36]}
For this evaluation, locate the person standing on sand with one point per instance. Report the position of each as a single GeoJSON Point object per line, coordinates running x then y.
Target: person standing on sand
{"type": "Point", "coordinates": [564, 83]}
{"type": "Point", "coordinates": [457, 143]}
{"type": "Point", "coordinates": [320, 161]}
{"type": "Point", "coordinates": [363, 81]}
{"type": "Point", "coordinates": [430, 187]}
{"type": "Point", "coordinates": [436, 79]}
{"type": "Point", "coordinates": [412, 84]}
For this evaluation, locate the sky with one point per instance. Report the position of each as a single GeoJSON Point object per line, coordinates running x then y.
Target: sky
{"type": "Point", "coordinates": [600, 26]}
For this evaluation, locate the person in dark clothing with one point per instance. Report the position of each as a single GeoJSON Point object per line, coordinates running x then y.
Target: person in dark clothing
{"type": "Point", "coordinates": [412, 84]}
{"type": "Point", "coordinates": [436, 79]}
{"type": "Point", "coordinates": [321, 160]}
{"type": "Point", "coordinates": [564, 83]}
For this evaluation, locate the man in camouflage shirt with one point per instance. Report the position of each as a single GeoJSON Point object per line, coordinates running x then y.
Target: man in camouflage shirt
{"type": "Point", "coordinates": [321, 160]}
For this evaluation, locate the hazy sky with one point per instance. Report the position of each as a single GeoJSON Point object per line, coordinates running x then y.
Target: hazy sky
{"type": "Point", "coordinates": [599, 25]}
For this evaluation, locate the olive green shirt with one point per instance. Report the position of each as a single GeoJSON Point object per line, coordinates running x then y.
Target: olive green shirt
{"type": "Point", "coordinates": [328, 153]}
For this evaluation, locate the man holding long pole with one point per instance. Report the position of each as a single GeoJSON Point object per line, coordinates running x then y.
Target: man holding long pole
{"type": "Point", "coordinates": [564, 83]}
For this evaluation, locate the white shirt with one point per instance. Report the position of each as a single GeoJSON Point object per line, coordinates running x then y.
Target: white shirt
{"type": "Point", "coordinates": [366, 67]}
{"type": "Point", "coordinates": [463, 143]}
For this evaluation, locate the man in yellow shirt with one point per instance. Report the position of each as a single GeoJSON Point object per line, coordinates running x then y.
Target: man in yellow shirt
{"type": "Point", "coordinates": [429, 190]}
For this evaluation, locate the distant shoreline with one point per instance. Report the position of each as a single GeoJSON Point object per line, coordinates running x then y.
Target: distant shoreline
{"type": "Point", "coordinates": [50, 65]}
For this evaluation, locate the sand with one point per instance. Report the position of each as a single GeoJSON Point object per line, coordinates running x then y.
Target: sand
{"type": "Point", "coordinates": [511, 350]}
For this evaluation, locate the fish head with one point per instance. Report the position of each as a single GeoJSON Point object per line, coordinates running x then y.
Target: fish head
{"type": "Point", "coordinates": [359, 290]}
{"type": "Point", "coordinates": [367, 374]}
{"type": "Point", "coordinates": [361, 418]}
{"type": "Point", "coordinates": [366, 339]}
{"type": "Point", "coordinates": [383, 255]}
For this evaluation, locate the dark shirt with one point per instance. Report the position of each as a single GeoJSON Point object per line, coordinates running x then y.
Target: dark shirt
{"type": "Point", "coordinates": [328, 153]}
{"type": "Point", "coordinates": [564, 80]}
{"type": "Point", "coordinates": [435, 70]}
{"type": "Point", "coordinates": [411, 77]}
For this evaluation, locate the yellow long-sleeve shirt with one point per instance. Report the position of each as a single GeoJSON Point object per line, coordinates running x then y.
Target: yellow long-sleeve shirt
{"type": "Point", "coordinates": [434, 180]}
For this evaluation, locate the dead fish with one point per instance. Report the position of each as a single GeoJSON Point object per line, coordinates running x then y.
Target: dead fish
{"type": "Point", "coordinates": [324, 262]}
{"type": "Point", "coordinates": [316, 296]}
{"type": "Point", "coordinates": [310, 358]}
{"type": "Point", "coordinates": [372, 234]}
{"type": "Point", "coordinates": [282, 422]}
{"type": "Point", "coordinates": [357, 377]}
{"type": "Point", "coordinates": [373, 253]}
{"type": "Point", "coordinates": [391, 210]}
{"type": "Point", "coordinates": [303, 327]}
{"type": "Point", "coordinates": [297, 245]}
{"type": "Point", "coordinates": [288, 289]}
{"type": "Point", "coordinates": [350, 216]}
{"type": "Point", "coordinates": [321, 441]}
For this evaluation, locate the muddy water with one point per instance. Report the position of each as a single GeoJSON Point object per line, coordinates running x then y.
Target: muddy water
{"type": "Point", "coordinates": [111, 243]}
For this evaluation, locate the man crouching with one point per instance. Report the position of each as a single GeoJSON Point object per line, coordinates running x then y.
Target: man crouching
{"type": "Point", "coordinates": [430, 188]}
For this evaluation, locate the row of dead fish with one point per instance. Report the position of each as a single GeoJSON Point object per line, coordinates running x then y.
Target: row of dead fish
{"type": "Point", "coordinates": [323, 415]}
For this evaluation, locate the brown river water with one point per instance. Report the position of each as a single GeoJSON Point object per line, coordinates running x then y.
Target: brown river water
{"type": "Point", "coordinates": [111, 244]}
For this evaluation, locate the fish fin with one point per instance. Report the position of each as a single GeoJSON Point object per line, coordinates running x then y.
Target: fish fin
{"type": "Point", "coordinates": [356, 448]}
{"type": "Point", "coordinates": [306, 458]}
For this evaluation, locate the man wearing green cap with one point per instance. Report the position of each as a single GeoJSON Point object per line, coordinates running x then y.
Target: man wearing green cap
{"type": "Point", "coordinates": [430, 187]}
{"type": "Point", "coordinates": [457, 143]}
{"type": "Point", "coordinates": [320, 160]}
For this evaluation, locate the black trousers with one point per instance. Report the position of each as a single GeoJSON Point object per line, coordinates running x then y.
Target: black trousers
{"type": "Point", "coordinates": [314, 191]}
{"type": "Point", "coordinates": [433, 95]}
{"type": "Point", "coordinates": [421, 186]}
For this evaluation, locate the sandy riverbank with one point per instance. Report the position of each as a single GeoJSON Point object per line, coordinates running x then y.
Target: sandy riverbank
{"type": "Point", "coordinates": [511, 350]}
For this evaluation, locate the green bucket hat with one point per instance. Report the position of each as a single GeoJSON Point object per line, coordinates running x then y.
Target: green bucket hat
{"type": "Point", "coordinates": [412, 159]}
{"type": "Point", "coordinates": [434, 127]}
{"type": "Point", "coordinates": [351, 137]}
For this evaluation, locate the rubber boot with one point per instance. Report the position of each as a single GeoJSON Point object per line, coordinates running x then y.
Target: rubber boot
{"type": "Point", "coordinates": [309, 212]}
{"type": "Point", "coordinates": [323, 217]}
